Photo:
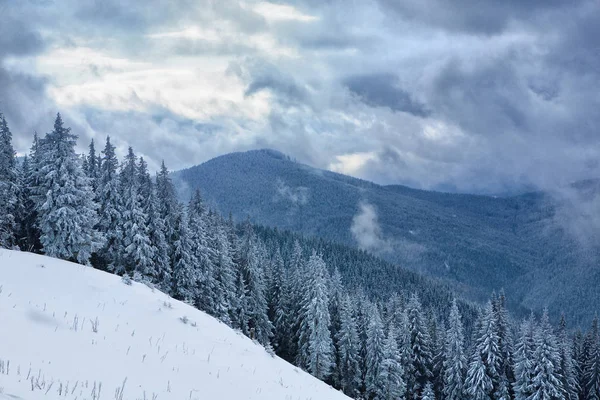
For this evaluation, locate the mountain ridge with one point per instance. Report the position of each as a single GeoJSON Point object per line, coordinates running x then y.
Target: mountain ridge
{"type": "Point", "coordinates": [478, 243]}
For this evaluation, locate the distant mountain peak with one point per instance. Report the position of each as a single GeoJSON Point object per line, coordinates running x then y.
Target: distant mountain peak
{"type": "Point", "coordinates": [489, 242]}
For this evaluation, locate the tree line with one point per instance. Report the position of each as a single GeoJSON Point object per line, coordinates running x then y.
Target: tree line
{"type": "Point", "coordinates": [113, 215]}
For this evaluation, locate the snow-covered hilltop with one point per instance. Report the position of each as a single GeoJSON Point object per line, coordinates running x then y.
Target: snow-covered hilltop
{"type": "Point", "coordinates": [73, 332]}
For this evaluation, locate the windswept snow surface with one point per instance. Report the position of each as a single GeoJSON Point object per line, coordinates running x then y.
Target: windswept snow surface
{"type": "Point", "coordinates": [151, 346]}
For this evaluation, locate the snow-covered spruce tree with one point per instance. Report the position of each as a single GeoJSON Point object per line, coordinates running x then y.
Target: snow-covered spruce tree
{"type": "Point", "coordinates": [239, 307]}
{"type": "Point", "coordinates": [347, 347]}
{"type": "Point", "coordinates": [137, 252]}
{"type": "Point", "coordinates": [362, 317]}
{"type": "Point", "coordinates": [592, 362]}
{"type": "Point", "coordinates": [505, 342]}
{"type": "Point", "coordinates": [335, 299]}
{"type": "Point", "coordinates": [199, 230]}
{"type": "Point", "coordinates": [428, 393]}
{"type": "Point", "coordinates": [420, 343]}
{"type": "Point", "coordinates": [577, 351]}
{"type": "Point", "coordinates": [168, 207]}
{"type": "Point", "coordinates": [375, 354]}
{"type": "Point", "coordinates": [68, 215]}
{"type": "Point", "coordinates": [184, 273]}
{"type": "Point", "coordinates": [9, 188]}
{"type": "Point", "coordinates": [29, 235]}
{"type": "Point", "coordinates": [405, 349]}
{"type": "Point", "coordinates": [109, 213]}
{"type": "Point", "coordinates": [478, 384]}
{"type": "Point", "coordinates": [525, 346]}
{"type": "Point", "coordinates": [315, 352]}
{"type": "Point", "coordinates": [545, 382]}
{"type": "Point", "coordinates": [259, 327]}
{"type": "Point", "coordinates": [224, 269]}
{"type": "Point", "coordinates": [567, 371]}
{"type": "Point", "coordinates": [161, 267]}
{"type": "Point", "coordinates": [487, 344]}
{"type": "Point", "coordinates": [455, 362]}
{"type": "Point", "coordinates": [438, 336]}
{"type": "Point", "coordinates": [503, 391]}
{"type": "Point", "coordinates": [292, 301]}
{"type": "Point", "coordinates": [92, 166]}
{"type": "Point", "coordinates": [391, 371]}
{"type": "Point", "coordinates": [275, 299]}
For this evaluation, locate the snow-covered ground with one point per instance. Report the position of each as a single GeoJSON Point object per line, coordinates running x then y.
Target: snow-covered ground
{"type": "Point", "coordinates": [72, 332]}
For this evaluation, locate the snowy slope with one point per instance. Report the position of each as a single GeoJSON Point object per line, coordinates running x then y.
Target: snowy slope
{"type": "Point", "coordinates": [47, 312]}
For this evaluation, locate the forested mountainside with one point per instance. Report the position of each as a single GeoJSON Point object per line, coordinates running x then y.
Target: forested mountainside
{"type": "Point", "coordinates": [114, 216]}
{"type": "Point", "coordinates": [476, 243]}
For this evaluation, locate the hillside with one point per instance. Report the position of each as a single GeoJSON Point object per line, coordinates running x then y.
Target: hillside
{"type": "Point", "coordinates": [478, 243]}
{"type": "Point", "coordinates": [147, 344]}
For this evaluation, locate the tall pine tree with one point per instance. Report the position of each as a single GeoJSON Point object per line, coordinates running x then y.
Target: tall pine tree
{"type": "Point", "coordinates": [68, 214]}
{"type": "Point", "coordinates": [314, 342]}
{"type": "Point", "coordinates": [455, 362]}
{"type": "Point", "coordinates": [9, 187]}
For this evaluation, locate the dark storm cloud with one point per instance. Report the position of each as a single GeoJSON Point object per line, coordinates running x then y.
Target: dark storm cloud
{"type": "Point", "coordinates": [487, 16]}
{"type": "Point", "coordinates": [468, 95]}
{"type": "Point", "coordinates": [383, 90]}
{"type": "Point", "coordinates": [23, 99]}
{"type": "Point", "coordinates": [268, 77]}
{"type": "Point", "coordinates": [487, 101]}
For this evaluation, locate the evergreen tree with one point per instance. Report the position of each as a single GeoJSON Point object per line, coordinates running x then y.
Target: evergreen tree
{"type": "Point", "coordinates": [405, 348]}
{"type": "Point", "coordinates": [438, 336]}
{"type": "Point", "coordinates": [487, 344]}
{"type": "Point", "coordinates": [275, 299]}
{"type": "Point", "coordinates": [546, 383]}
{"type": "Point", "coordinates": [293, 300]}
{"type": "Point", "coordinates": [109, 213]}
{"type": "Point", "coordinates": [161, 268]}
{"type": "Point", "coordinates": [315, 344]}
{"type": "Point", "coordinates": [68, 214]}
{"type": "Point", "coordinates": [224, 269]}
{"type": "Point", "coordinates": [567, 370]}
{"type": "Point", "coordinates": [168, 208]}
{"type": "Point", "coordinates": [455, 362]}
{"type": "Point", "coordinates": [428, 393]}
{"type": "Point", "coordinates": [363, 306]}
{"type": "Point", "coordinates": [420, 344]}
{"type": "Point", "coordinates": [9, 187]}
{"type": "Point", "coordinates": [391, 371]}
{"type": "Point", "coordinates": [505, 342]}
{"type": "Point", "coordinates": [184, 273]}
{"type": "Point", "coordinates": [478, 384]}
{"type": "Point", "coordinates": [92, 166]}
{"type": "Point", "coordinates": [29, 234]}
{"type": "Point", "coordinates": [347, 347]}
{"type": "Point", "coordinates": [592, 363]}
{"type": "Point", "coordinates": [239, 311]}
{"type": "Point", "coordinates": [207, 293]}
{"type": "Point", "coordinates": [524, 367]}
{"type": "Point", "coordinates": [375, 354]}
{"type": "Point", "coordinates": [137, 251]}
{"type": "Point", "coordinates": [578, 362]}
{"type": "Point", "coordinates": [258, 326]}
{"type": "Point", "coordinates": [335, 299]}
{"type": "Point", "coordinates": [503, 390]}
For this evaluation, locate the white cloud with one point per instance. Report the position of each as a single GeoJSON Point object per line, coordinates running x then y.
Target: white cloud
{"type": "Point", "coordinates": [296, 195]}
{"type": "Point", "coordinates": [200, 91]}
{"type": "Point", "coordinates": [282, 12]}
{"type": "Point", "coordinates": [366, 230]}
{"type": "Point", "coordinates": [350, 164]}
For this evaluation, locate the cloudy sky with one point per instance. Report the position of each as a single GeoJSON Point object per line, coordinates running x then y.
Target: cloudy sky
{"type": "Point", "coordinates": [469, 95]}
